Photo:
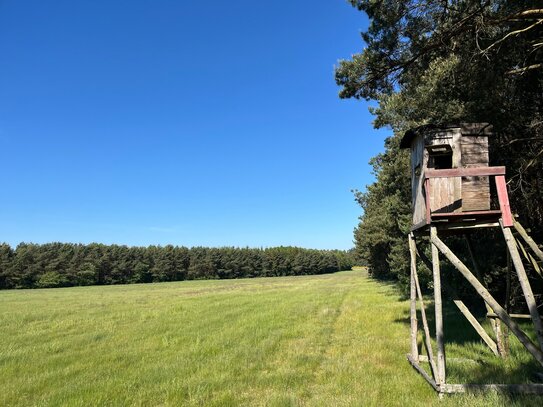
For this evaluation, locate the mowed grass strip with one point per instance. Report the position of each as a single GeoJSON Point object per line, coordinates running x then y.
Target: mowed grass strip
{"type": "Point", "coordinates": [329, 340]}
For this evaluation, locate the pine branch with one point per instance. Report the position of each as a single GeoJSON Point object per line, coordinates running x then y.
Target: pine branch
{"type": "Point", "coordinates": [524, 69]}
{"type": "Point", "coordinates": [510, 34]}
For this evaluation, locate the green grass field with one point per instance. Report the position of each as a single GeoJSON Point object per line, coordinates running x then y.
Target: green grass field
{"type": "Point", "coordinates": [329, 340]}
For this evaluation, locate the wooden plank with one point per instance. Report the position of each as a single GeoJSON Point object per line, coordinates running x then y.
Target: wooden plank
{"type": "Point", "coordinates": [467, 213]}
{"type": "Point", "coordinates": [442, 198]}
{"type": "Point", "coordinates": [475, 190]}
{"type": "Point", "coordinates": [438, 308]}
{"type": "Point", "coordinates": [474, 156]}
{"type": "Point", "coordinates": [475, 194]}
{"type": "Point", "coordinates": [522, 232]}
{"type": "Point", "coordinates": [423, 358]}
{"type": "Point", "coordinates": [516, 316]}
{"type": "Point", "coordinates": [477, 326]}
{"type": "Point", "coordinates": [464, 172]}
{"type": "Point", "coordinates": [413, 298]}
{"type": "Point", "coordinates": [503, 199]}
{"type": "Point", "coordinates": [463, 226]}
{"type": "Point", "coordinates": [483, 292]}
{"type": "Point", "coordinates": [529, 388]}
{"type": "Point", "coordinates": [474, 151]}
{"type": "Point", "coordinates": [422, 372]}
{"type": "Point", "coordinates": [524, 283]}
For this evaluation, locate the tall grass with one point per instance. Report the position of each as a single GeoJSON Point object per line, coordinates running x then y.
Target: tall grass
{"type": "Point", "coordinates": [328, 340]}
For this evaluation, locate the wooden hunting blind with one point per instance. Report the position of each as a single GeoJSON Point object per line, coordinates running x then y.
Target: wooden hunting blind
{"type": "Point", "coordinates": [446, 148]}
{"type": "Point", "coordinates": [453, 191]}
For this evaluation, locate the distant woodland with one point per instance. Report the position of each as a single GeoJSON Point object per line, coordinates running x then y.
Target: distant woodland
{"type": "Point", "coordinates": [64, 264]}
{"type": "Point", "coordinates": [436, 62]}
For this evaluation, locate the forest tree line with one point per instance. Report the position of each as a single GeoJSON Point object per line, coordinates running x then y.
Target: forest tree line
{"type": "Point", "coordinates": [437, 62]}
{"type": "Point", "coordinates": [65, 264]}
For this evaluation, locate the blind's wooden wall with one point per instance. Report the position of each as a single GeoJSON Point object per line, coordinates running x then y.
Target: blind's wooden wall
{"type": "Point", "coordinates": [450, 194]}
{"type": "Point", "coordinates": [475, 190]}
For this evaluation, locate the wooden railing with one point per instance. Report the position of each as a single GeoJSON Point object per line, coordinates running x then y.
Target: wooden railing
{"type": "Point", "coordinates": [499, 178]}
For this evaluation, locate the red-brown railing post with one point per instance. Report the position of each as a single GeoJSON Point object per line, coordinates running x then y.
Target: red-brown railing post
{"type": "Point", "coordinates": [503, 199]}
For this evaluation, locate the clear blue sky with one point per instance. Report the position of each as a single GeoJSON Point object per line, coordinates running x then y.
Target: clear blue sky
{"type": "Point", "coordinates": [207, 123]}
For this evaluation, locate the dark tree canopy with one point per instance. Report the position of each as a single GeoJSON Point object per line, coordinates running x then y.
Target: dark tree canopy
{"type": "Point", "coordinates": [406, 37]}
{"type": "Point", "coordinates": [440, 62]}
{"type": "Point", "coordinates": [66, 264]}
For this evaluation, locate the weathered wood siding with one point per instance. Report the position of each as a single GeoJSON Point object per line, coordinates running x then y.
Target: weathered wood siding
{"type": "Point", "coordinates": [418, 163]}
{"type": "Point", "coordinates": [446, 193]}
{"type": "Point", "coordinates": [475, 190]}
{"type": "Point", "coordinates": [468, 149]}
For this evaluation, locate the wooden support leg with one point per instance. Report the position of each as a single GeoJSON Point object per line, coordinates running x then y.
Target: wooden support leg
{"type": "Point", "coordinates": [529, 388]}
{"type": "Point", "coordinates": [438, 312]}
{"type": "Point", "coordinates": [483, 292]}
{"type": "Point", "coordinates": [414, 324]}
{"type": "Point", "coordinates": [524, 283]}
{"type": "Point", "coordinates": [427, 338]}
{"type": "Point", "coordinates": [500, 337]}
{"type": "Point", "coordinates": [507, 303]}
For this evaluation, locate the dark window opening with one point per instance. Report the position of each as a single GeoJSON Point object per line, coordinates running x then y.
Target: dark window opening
{"type": "Point", "coordinates": [440, 157]}
{"type": "Point", "coordinates": [441, 162]}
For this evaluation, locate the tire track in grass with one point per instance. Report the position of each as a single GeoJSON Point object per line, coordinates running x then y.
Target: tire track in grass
{"type": "Point", "coordinates": [364, 364]}
{"type": "Point", "coordinates": [284, 380]}
{"type": "Point", "coordinates": [312, 350]}
{"type": "Point", "coordinates": [329, 350]}
{"type": "Point", "coordinates": [328, 340]}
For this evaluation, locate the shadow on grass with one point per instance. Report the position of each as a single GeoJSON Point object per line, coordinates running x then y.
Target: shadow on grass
{"type": "Point", "coordinates": [470, 360]}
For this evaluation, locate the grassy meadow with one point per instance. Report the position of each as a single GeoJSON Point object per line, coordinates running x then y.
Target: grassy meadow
{"type": "Point", "coordinates": [327, 340]}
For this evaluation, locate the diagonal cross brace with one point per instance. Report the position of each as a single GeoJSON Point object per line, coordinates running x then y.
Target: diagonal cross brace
{"type": "Point", "coordinates": [524, 282]}
{"type": "Point", "coordinates": [483, 292]}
